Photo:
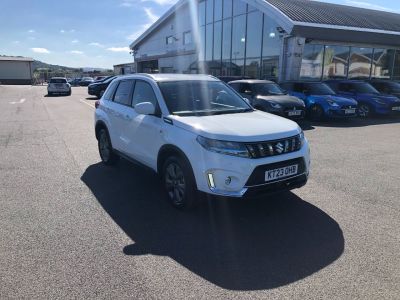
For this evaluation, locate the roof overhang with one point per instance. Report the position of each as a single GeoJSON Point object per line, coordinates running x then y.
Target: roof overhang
{"type": "Point", "coordinates": [346, 34]}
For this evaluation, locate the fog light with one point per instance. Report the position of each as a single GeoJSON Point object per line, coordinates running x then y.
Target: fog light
{"type": "Point", "coordinates": [228, 180]}
{"type": "Point", "coordinates": [211, 180]}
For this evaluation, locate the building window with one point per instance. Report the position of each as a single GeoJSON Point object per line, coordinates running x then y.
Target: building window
{"type": "Point", "coordinates": [271, 50]}
{"type": "Point", "coordinates": [187, 38]}
{"type": "Point", "coordinates": [336, 62]}
{"type": "Point", "coordinates": [360, 62]}
{"type": "Point", "coordinates": [202, 13]}
{"type": "Point", "coordinates": [227, 9]}
{"type": "Point", "coordinates": [217, 40]}
{"type": "Point", "coordinates": [169, 40]}
{"type": "Point", "coordinates": [239, 7]}
{"type": "Point", "coordinates": [217, 10]}
{"type": "Point", "coordinates": [209, 11]}
{"type": "Point", "coordinates": [312, 62]}
{"type": "Point", "coordinates": [396, 70]}
{"type": "Point", "coordinates": [382, 63]}
{"type": "Point", "coordinates": [253, 44]}
{"type": "Point", "coordinates": [209, 42]}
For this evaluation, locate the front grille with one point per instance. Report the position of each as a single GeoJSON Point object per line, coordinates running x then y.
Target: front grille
{"type": "Point", "coordinates": [273, 148]}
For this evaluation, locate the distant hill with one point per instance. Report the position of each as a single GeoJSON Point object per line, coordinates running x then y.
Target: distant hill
{"type": "Point", "coordinates": [37, 64]}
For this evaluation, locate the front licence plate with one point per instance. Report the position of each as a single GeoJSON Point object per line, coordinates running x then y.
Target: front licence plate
{"type": "Point", "coordinates": [281, 173]}
{"type": "Point", "coordinates": [292, 113]}
{"type": "Point", "coordinates": [397, 108]}
{"type": "Point", "coordinates": [350, 111]}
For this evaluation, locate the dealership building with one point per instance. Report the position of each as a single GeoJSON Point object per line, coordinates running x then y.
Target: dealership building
{"type": "Point", "coordinates": [271, 39]}
{"type": "Point", "coordinates": [15, 70]}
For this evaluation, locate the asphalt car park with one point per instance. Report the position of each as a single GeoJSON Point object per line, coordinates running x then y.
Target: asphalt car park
{"type": "Point", "coordinates": [71, 227]}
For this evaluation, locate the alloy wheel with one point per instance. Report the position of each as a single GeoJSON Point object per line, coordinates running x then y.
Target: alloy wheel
{"type": "Point", "coordinates": [104, 146]}
{"type": "Point", "coordinates": [175, 183]}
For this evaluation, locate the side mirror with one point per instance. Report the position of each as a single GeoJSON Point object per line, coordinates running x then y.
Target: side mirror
{"type": "Point", "coordinates": [145, 108]}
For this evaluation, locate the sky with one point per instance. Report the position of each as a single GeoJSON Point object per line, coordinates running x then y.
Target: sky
{"type": "Point", "coordinates": [92, 33]}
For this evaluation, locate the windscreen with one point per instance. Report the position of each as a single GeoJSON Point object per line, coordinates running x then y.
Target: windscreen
{"type": "Point", "coordinates": [319, 89]}
{"type": "Point", "coordinates": [58, 80]}
{"type": "Point", "coordinates": [267, 89]}
{"type": "Point", "coordinates": [189, 98]}
{"type": "Point", "coordinates": [365, 88]}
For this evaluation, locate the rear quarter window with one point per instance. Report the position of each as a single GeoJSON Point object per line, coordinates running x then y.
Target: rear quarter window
{"type": "Point", "coordinates": [108, 95]}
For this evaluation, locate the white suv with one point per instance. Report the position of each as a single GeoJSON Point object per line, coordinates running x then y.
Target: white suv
{"type": "Point", "coordinates": [58, 85]}
{"type": "Point", "coordinates": [198, 134]}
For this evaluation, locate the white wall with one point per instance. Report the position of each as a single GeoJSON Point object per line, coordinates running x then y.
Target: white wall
{"type": "Point", "coordinates": [15, 70]}
{"type": "Point", "coordinates": [155, 44]}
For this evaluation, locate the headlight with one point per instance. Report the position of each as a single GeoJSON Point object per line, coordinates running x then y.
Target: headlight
{"type": "Point", "coordinates": [275, 105]}
{"type": "Point", "coordinates": [301, 138]}
{"type": "Point", "coordinates": [332, 103]}
{"type": "Point", "coordinates": [223, 147]}
{"type": "Point", "coordinates": [379, 101]}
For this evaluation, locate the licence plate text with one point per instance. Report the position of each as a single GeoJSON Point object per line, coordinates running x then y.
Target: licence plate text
{"type": "Point", "coordinates": [281, 173]}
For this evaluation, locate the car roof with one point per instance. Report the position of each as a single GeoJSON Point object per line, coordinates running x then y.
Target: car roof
{"type": "Point", "coordinates": [251, 81]}
{"type": "Point", "coordinates": [171, 77]}
{"type": "Point", "coordinates": [58, 78]}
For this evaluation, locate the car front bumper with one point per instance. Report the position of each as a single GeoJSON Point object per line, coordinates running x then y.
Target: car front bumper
{"type": "Point", "coordinates": [230, 176]}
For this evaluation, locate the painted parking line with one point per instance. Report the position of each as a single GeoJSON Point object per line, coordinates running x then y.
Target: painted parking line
{"type": "Point", "coordinates": [19, 102]}
{"type": "Point", "coordinates": [83, 101]}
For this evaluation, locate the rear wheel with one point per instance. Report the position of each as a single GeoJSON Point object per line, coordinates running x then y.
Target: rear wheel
{"type": "Point", "coordinates": [316, 113]}
{"type": "Point", "coordinates": [179, 183]}
{"type": "Point", "coordinates": [107, 155]}
{"type": "Point", "coordinates": [364, 110]}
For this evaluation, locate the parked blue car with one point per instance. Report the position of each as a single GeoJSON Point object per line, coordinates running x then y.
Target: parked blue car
{"type": "Point", "coordinates": [370, 101]}
{"type": "Point", "coordinates": [321, 101]}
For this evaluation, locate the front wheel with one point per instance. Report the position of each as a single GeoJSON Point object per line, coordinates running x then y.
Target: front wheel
{"type": "Point", "coordinates": [364, 110]}
{"type": "Point", "coordinates": [107, 155]}
{"type": "Point", "coordinates": [179, 183]}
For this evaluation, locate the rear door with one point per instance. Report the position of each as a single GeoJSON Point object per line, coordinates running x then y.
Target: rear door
{"type": "Point", "coordinates": [118, 111]}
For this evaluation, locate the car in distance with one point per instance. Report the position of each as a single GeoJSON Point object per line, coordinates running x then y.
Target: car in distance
{"type": "Point", "coordinates": [387, 87]}
{"type": "Point", "coordinates": [321, 101]}
{"type": "Point", "coordinates": [269, 97]}
{"type": "Point", "coordinates": [98, 88]}
{"type": "Point", "coordinates": [99, 78]}
{"type": "Point", "coordinates": [74, 82]}
{"type": "Point", "coordinates": [85, 81]}
{"type": "Point", "coordinates": [370, 101]}
{"type": "Point", "coordinates": [58, 85]}
{"type": "Point", "coordinates": [199, 135]}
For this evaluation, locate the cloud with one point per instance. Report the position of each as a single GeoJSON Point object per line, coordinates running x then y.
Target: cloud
{"type": "Point", "coordinates": [368, 5]}
{"type": "Point", "coordinates": [119, 49]}
{"type": "Point", "coordinates": [161, 2]}
{"type": "Point", "coordinates": [40, 50]}
{"type": "Point", "coordinates": [31, 31]}
{"type": "Point", "coordinates": [95, 44]}
{"type": "Point", "coordinates": [16, 42]}
{"type": "Point", "coordinates": [62, 31]}
{"type": "Point", "coordinates": [74, 41]}
{"type": "Point", "coordinates": [151, 18]}
{"type": "Point", "coordinates": [76, 52]}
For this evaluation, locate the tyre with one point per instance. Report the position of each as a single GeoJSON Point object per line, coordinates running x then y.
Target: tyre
{"type": "Point", "coordinates": [69, 93]}
{"type": "Point", "coordinates": [364, 110]}
{"type": "Point", "coordinates": [178, 182]}
{"type": "Point", "coordinates": [107, 154]}
{"type": "Point", "coordinates": [49, 94]}
{"type": "Point", "coordinates": [316, 113]}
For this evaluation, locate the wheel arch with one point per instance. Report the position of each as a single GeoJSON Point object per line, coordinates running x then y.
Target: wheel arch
{"type": "Point", "coordinates": [168, 150]}
{"type": "Point", "coordinates": [100, 125]}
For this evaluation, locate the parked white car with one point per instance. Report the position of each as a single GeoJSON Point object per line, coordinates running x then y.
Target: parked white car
{"type": "Point", "coordinates": [58, 85]}
{"type": "Point", "coordinates": [198, 134]}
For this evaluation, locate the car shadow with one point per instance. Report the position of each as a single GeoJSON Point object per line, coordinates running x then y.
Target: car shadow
{"type": "Point", "coordinates": [92, 98]}
{"type": "Point", "coordinates": [235, 244]}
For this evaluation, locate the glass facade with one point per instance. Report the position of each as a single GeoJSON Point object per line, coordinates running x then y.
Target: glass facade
{"type": "Point", "coordinates": [237, 40]}
{"type": "Point", "coordinates": [334, 62]}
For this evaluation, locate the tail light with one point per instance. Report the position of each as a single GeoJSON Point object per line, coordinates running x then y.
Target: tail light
{"type": "Point", "coordinates": [97, 104]}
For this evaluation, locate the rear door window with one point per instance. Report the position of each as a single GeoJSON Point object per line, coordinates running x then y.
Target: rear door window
{"type": "Point", "coordinates": [123, 92]}
{"type": "Point", "coordinates": [110, 91]}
